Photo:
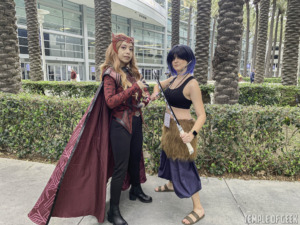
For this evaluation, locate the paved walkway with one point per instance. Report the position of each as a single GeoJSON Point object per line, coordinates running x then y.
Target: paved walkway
{"type": "Point", "coordinates": [226, 201]}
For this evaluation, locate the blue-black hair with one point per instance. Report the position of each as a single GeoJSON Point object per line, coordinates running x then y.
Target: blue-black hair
{"type": "Point", "coordinates": [183, 52]}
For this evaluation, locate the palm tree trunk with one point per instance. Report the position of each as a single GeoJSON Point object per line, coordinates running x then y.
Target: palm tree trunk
{"type": "Point", "coordinates": [36, 72]}
{"type": "Point", "coordinates": [102, 32]}
{"type": "Point", "coordinates": [274, 45]}
{"type": "Point", "coordinates": [270, 40]}
{"type": "Point", "coordinates": [175, 22]}
{"type": "Point", "coordinates": [225, 63]}
{"type": "Point", "coordinates": [189, 25]}
{"type": "Point", "coordinates": [262, 40]}
{"type": "Point", "coordinates": [291, 44]}
{"type": "Point", "coordinates": [247, 38]}
{"type": "Point", "coordinates": [254, 49]}
{"type": "Point", "coordinates": [202, 40]}
{"type": "Point", "coordinates": [212, 49]}
{"type": "Point", "coordinates": [10, 70]}
{"type": "Point", "coordinates": [280, 46]}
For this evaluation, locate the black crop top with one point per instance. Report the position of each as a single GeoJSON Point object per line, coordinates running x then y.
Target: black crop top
{"type": "Point", "coordinates": [176, 98]}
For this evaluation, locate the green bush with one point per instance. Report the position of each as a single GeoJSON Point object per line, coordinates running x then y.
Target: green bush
{"type": "Point", "coordinates": [37, 124]}
{"type": "Point", "coordinates": [266, 80]}
{"type": "Point", "coordinates": [266, 94]}
{"type": "Point", "coordinates": [234, 139]}
{"type": "Point", "coordinates": [83, 89]}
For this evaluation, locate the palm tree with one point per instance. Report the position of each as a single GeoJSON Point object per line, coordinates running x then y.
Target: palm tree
{"type": "Point", "coordinates": [189, 25]}
{"type": "Point", "coordinates": [10, 70]}
{"type": "Point", "coordinates": [262, 40]}
{"type": "Point", "coordinates": [225, 63]}
{"type": "Point", "coordinates": [36, 72]}
{"type": "Point", "coordinates": [247, 37]}
{"type": "Point", "coordinates": [202, 40]}
{"type": "Point", "coordinates": [215, 15]}
{"type": "Point", "coordinates": [175, 22]}
{"type": "Point", "coordinates": [254, 47]}
{"type": "Point", "coordinates": [268, 57]}
{"type": "Point", "coordinates": [270, 72]}
{"type": "Point", "coordinates": [102, 31]}
{"type": "Point", "coordinates": [210, 75]}
{"type": "Point", "coordinates": [282, 8]}
{"type": "Point", "coordinates": [291, 44]}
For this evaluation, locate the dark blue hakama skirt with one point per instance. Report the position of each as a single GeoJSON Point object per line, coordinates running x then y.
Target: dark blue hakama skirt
{"type": "Point", "coordinates": [183, 174]}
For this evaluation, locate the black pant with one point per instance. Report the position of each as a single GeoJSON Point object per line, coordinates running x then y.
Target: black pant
{"type": "Point", "coordinates": [127, 149]}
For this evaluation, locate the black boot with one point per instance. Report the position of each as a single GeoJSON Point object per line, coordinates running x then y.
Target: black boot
{"type": "Point", "coordinates": [114, 216]}
{"type": "Point", "coordinates": [137, 192]}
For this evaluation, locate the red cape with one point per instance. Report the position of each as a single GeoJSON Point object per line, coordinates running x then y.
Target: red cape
{"type": "Point", "coordinates": [77, 186]}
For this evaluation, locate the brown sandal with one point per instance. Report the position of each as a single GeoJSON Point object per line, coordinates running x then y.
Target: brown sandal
{"type": "Point", "coordinates": [166, 189]}
{"type": "Point", "coordinates": [190, 219]}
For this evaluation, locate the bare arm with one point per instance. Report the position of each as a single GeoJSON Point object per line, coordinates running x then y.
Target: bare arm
{"type": "Point", "coordinates": [156, 90]}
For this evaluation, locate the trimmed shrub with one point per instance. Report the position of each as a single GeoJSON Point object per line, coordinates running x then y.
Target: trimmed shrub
{"type": "Point", "coordinates": [83, 89]}
{"type": "Point", "coordinates": [266, 80]}
{"type": "Point", "coordinates": [234, 139]}
{"type": "Point", "coordinates": [266, 94]}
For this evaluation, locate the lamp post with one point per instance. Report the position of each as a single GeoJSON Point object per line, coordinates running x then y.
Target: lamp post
{"type": "Point", "coordinates": [41, 14]}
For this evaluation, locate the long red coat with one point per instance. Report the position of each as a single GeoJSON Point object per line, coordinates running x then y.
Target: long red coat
{"type": "Point", "coordinates": [77, 186]}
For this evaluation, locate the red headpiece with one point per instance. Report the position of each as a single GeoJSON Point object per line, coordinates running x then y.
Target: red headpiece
{"type": "Point", "coordinates": [120, 37]}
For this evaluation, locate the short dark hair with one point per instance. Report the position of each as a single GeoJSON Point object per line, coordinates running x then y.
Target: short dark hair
{"type": "Point", "coordinates": [183, 52]}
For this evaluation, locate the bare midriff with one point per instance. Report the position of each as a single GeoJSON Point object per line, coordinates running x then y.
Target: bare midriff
{"type": "Point", "coordinates": [181, 114]}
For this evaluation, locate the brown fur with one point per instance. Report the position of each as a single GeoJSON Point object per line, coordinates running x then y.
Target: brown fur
{"type": "Point", "coordinates": [172, 144]}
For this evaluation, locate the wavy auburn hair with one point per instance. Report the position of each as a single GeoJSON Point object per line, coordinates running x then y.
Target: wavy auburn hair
{"type": "Point", "coordinates": [112, 60]}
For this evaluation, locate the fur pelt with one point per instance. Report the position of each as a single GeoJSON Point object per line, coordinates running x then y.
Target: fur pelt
{"type": "Point", "coordinates": [172, 143]}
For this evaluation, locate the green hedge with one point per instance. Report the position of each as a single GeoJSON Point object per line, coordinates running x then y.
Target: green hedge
{"type": "Point", "coordinates": [38, 124]}
{"type": "Point", "coordinates": [83, 89]}
{"type": "Point", "coordinates": [239, 139]}
{"type": "Point", "coordinates": [267, 94]}
{"type": "Point", "coordinates": [266, 80]}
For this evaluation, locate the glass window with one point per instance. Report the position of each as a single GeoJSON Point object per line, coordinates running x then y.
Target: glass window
{"type": "Point", "coordinates": [23, 41]}
{"type": "Point", "coordinates": [169, 25]}
{"type": "Point", "coordinates": [149, 26]}
{"type": "Point", "coordinates": [121, 19]}
{"type": "Point", "coordinates": [50, 73]}
{"type": "Point", "coordinates": [71, 26]}
{"type": "Point", "coordinates": [149, 56]}
{"type": "Point", "coordinates": [92, 72]}
{"type": "Point", "coordinates": [70, 5]}
{"type": "Point", "coordinates": [72, 16]}
{"type": "Point", "coordinates": [123, 29]}
{"type": "Point", "coordinates": [137, 23]}
{"type": "Point", "coordinates": [91, 49]}
{"type": "Point", "coordinates": [159, 40]}
{"type": "Point", "coordinates": [183, 41]}
{"type": "Point", "coordinates": [91, 31]}
{"type": "Point", "coordinates": [24, 50]}
{"type": "Point", "coordinates": [169, 41]}
{"type": "Point", "coordinates": [138, 36]}
{"type": "Point", "coordinates": [149, 38]}
{"type": "Point", "coordinates": [113, 18]}
{"type": "Point", "coordinates": [114, 28]}
{"type": "Point", "coordinates": [158, 28]}
{"type": "Point", "coordinates": [74, 40]}
{"type": "Point", "coordinates": [53, 12]}
{"type": "Point", "coordinates": [20, 3]}
{"type": "Point", "coordinates": [139, 54]}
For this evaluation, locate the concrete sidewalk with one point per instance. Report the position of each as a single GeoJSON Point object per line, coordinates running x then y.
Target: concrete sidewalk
{"type": "Point", "coordinates": [226, 201]}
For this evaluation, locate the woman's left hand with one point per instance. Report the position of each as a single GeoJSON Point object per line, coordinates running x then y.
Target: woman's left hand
{"type": "Point", "coordinates": [187, 137]}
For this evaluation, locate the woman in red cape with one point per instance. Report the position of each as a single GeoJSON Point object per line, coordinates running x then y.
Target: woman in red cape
{"type": "Point", "coordinates": [77, 186]}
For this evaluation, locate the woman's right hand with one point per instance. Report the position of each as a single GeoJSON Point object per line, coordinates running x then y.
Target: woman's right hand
{"type": "Point", "coordinates": [141, 84]}
{"type": "Point", "coordinates": [154, 96]}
